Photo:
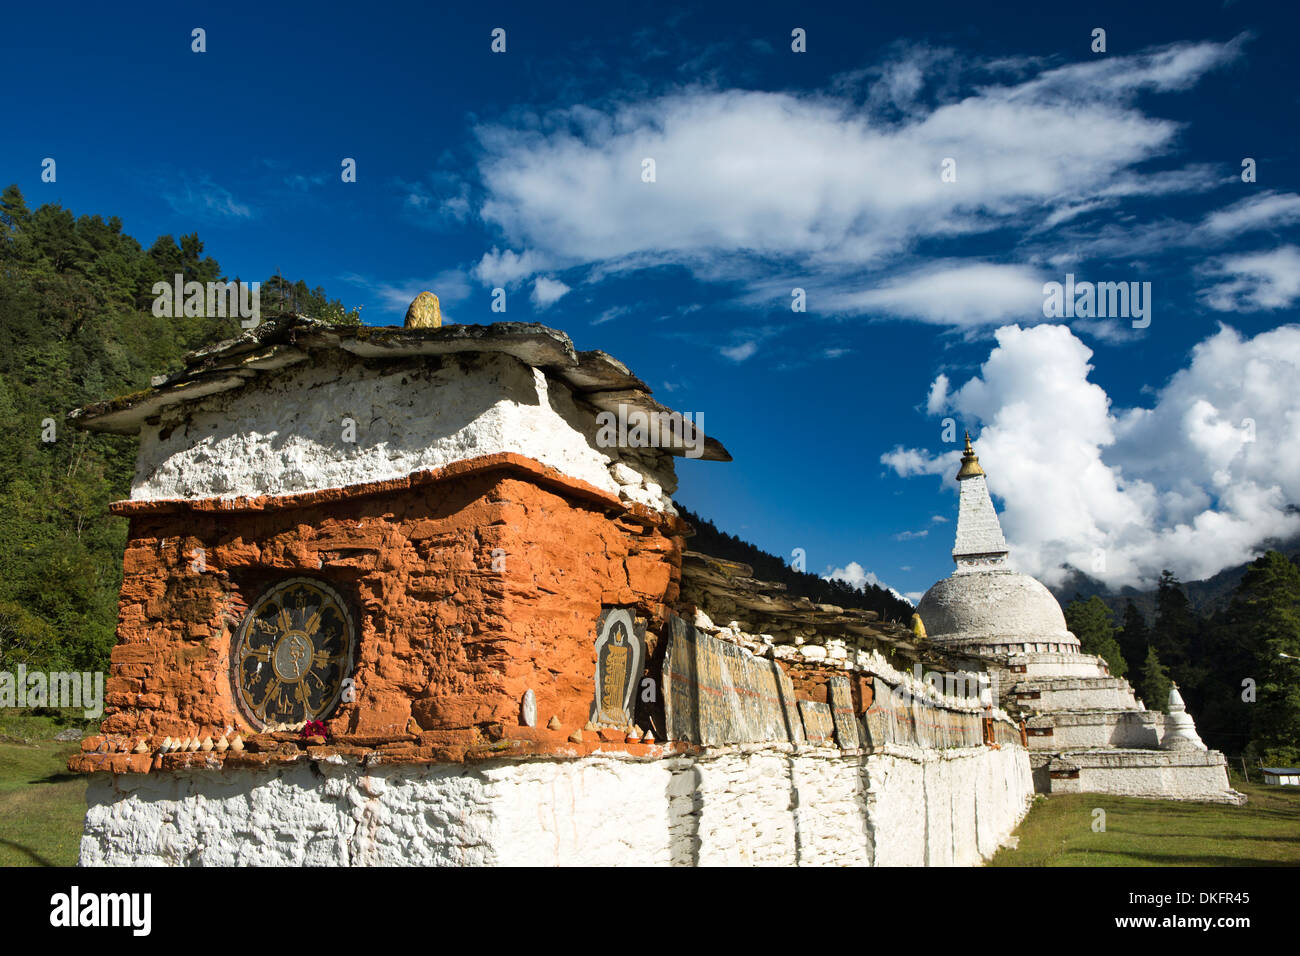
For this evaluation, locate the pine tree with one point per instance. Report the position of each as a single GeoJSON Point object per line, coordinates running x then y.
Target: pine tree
{"type": "Point", "coordinates": [1175, 624]}
{"type": "Point", "coordinates": [1092, 622]}
{"type": "Point", "coordinates": [1267, 604]}
{"type": "Point", "coordinates": [1154, 685]}
{"type": "Point", "coordinates": [1133, 635]}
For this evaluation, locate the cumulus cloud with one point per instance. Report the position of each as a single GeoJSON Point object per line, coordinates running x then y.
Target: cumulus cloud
{"type": "Point", "coordinates": [547, 291]}
{"type": "Point", "coordinates": [498, 268]}
{"type": "Point", "coordinates": [937, 400]}
{"type": "Point", "coordinates": [1195, 483]}
{"type": "Point", "coordinates": [1255, 281]}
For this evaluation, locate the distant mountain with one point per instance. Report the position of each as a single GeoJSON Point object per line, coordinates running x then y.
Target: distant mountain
{"type": "Point", "coordinates": [768, 567]}
{"type": "Point", "coordinates": [1206, 596]}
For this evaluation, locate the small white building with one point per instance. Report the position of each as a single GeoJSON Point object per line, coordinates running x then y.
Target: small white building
{"type": "Point", "coordinates": [1282, 776]}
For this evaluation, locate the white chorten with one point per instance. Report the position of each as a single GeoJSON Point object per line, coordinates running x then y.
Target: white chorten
{"type": "Point", "coordinates": [1180, 730]}
{"type": "Point", "coordinates": [985, 607]}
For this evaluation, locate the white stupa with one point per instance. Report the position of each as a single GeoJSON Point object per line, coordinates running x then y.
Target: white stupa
{"type": "Point", "coordinates": [1085, 728]}
{"type": "Point", "coordinates": [1180, 729]}
{"type": "Point", "coordinates": [985, 607]}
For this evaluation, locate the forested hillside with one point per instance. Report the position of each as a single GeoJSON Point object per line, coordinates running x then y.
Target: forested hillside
{"type": "Point", "coordinates": [76, 326]}
{"type": "Point", "coordinates": [768, 567]}
{"type": "Point", "coordinates": [1236, 660]}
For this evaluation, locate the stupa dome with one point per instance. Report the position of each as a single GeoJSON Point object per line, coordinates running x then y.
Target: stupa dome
{"type": "Point", "coordinates": [993, 607]}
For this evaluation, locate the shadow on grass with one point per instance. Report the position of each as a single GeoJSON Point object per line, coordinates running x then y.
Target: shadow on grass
{"type": "Point", "coordinates": [1147, 858]}
{"type": "Point", "coordinates": [27, 852]}
{"type": "Point", "coordinates": [62, 776]}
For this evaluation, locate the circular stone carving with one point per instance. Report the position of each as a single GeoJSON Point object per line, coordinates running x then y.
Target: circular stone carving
{"type": "Point", "coordinates": [292, 652]}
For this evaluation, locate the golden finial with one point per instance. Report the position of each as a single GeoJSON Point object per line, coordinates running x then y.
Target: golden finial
{"type": "Point", "coordinates": [970, 463]}
{"type": "Point", "coordinates": [424, 313]}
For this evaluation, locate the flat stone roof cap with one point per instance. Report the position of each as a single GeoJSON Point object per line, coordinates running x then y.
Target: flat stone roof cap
{"type": "Point", "coordinates": [599, 378]}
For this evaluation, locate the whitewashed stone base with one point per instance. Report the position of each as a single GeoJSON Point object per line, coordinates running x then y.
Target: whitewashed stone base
{"type": "Point", "coordinates": [1098, 728]}
{"type": "Point", "coordinates": [1165, 775]}
{"type": "Point", "coordinates": [1077, 693]}
{"type": "Point", "coordinates": [762, 807]}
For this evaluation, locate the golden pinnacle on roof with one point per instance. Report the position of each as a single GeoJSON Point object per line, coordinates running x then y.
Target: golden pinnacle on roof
{"type": "Point", "coordinates": [424, 312]}
{"type": "Point", "coordinates": [970, 463]}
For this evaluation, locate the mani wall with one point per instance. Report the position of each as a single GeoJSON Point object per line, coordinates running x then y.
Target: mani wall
{"type": "Point", "coordinates": [521, 652]}
{"type": "Point", "coordinates": [750, 775]}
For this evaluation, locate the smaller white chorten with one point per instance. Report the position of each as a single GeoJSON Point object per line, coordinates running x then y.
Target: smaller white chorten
{"type": "Point", "coordinates": [1180, 729]}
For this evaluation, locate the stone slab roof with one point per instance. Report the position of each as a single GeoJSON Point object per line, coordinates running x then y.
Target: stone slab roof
{"type": "Point", "coordinates": [597, 377]}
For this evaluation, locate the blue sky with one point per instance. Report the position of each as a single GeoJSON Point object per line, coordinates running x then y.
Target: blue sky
{"type": "Point", "coordinates": [1121, 450]}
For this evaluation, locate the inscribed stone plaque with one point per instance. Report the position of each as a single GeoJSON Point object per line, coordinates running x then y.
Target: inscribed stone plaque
{"type": "Point", "coordinates": [718, 693]}
{"type": "Point", "coordinates": [620, 658]}
{"type": "Point", "coordinates": [818, 725]}
{"type": "Point", "coordinates": [846, 723]}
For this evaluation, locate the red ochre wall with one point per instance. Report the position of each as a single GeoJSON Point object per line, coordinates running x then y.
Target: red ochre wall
{"type": "Point", "coordinates": [447, 645]}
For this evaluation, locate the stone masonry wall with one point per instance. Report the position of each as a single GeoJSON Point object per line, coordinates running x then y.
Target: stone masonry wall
{"type": "Point", "coordinates": [466, 591]}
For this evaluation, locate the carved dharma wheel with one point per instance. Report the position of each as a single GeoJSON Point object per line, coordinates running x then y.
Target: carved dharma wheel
{"type": "Point", "coordinates": [292, 653]}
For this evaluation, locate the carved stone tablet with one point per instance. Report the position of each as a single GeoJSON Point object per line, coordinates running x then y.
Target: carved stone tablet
{"type": "Point", "coordinates": [716, 693]}
{"type": "Point", "coordinates": [818, 725]}
{"type": "Point", "coordinates": [846, 722]}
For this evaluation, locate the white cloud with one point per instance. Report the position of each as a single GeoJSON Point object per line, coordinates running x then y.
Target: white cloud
{"type": "Point", "coordinates": [937, 400]}
{"type": "Point", "coordinates": [1267, 211]}
{"type": "Point", "coordinates": [613, 312]}
{"type": "Point", "coordinates": [1255, 281]}
{"type": "Point", "coordinates": [204, 199]}
{"type": "Point", "coordinates": [855, 575]}
{"type": "Point", "coordinates": [502, 269]}
{"type": "Point", "coordinates": [909, 535]}
{"type": "Point", "coordinates": [909, 461]}
{"type": "Point", "coordinates": [547, 291]}
{"type": "Point", "coordinates": [834, 185]}
{"type": "Point", "coordinates": [1178, 485]}
{"type": "Point", "coordinates": [738, 353]}
{"type": "Point", "coordinates": [961, 294]}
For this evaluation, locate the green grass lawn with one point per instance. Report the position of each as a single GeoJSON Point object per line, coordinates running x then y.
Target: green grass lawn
{"type": "Point", "coordinates": [42, 805]}
{"type": "Point", "coordinates": [1058, 831]}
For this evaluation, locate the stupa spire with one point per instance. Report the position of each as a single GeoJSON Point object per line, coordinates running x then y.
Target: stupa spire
{"type": "Point", "coordinates": [980, 543]}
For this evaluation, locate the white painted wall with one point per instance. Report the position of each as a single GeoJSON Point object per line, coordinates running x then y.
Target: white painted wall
{"type": "Point", "coordinates": [287, 435]}
{"type": "Point", "coordinates": [761, 806]}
